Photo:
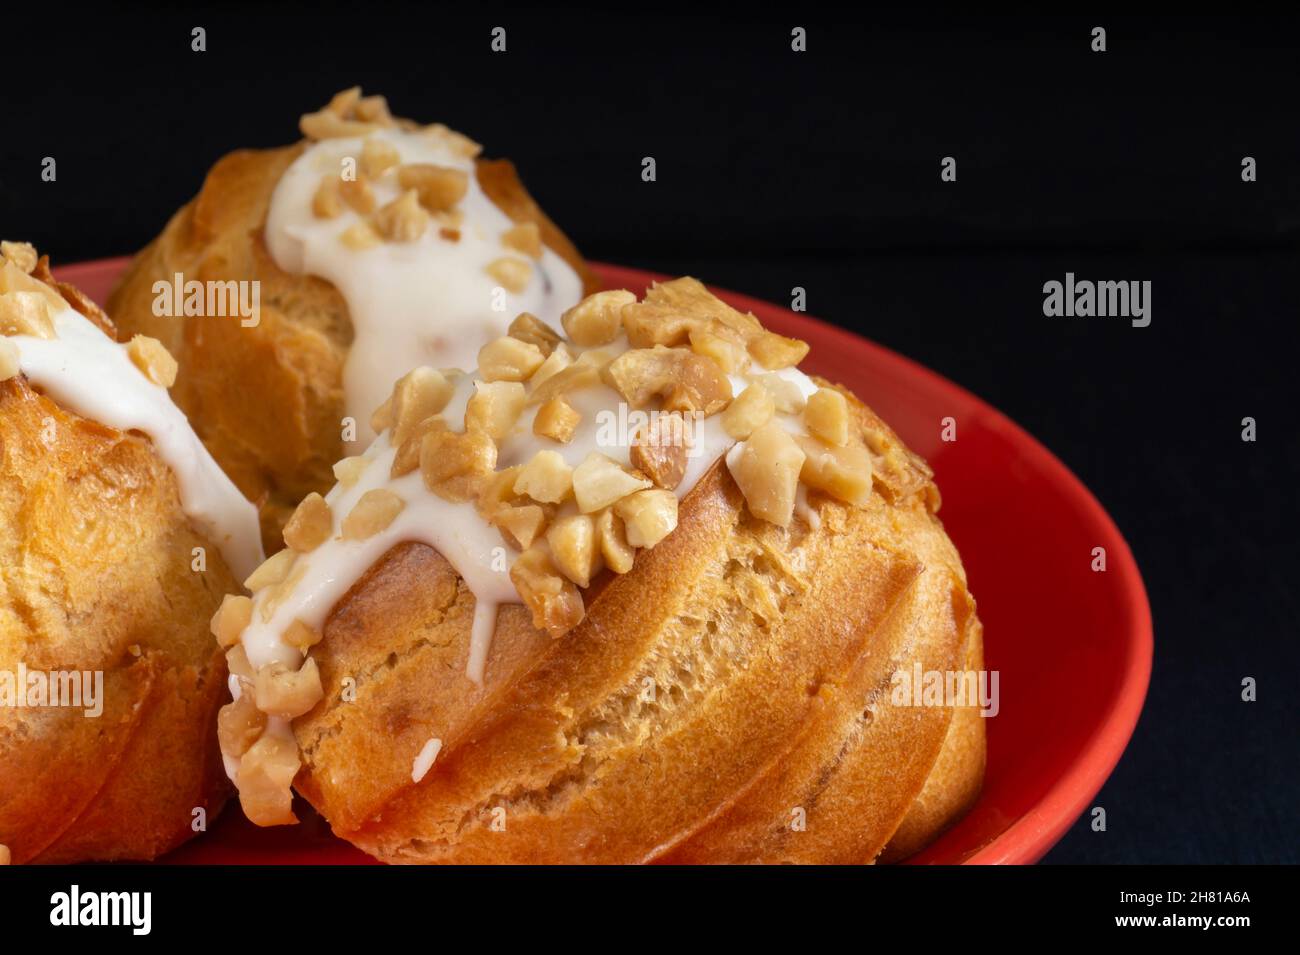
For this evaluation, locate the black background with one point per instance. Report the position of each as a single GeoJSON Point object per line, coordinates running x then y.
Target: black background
{"type": "Point", "coordinates": [821, 170]}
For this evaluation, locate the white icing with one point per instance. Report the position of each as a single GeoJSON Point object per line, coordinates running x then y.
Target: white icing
{"type": "Point", "coordinates": [428, 302]}
{"type": "Point", "coordinates": [456, 530]}
{"type": "Point", "coordinates": [88, 373]}
{"type": "Point", "coordinates": [423, 761]}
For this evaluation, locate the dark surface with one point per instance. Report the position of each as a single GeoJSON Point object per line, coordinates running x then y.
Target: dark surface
{"type": "Point", "coordinates": [821, 170]}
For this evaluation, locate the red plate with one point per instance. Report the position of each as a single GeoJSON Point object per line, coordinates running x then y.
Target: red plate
{"type": "Point", "coordinates": [1073, 647]}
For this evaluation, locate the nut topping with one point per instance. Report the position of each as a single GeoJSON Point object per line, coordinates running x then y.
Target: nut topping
{"type": "Point", "coordinates": [234, 614]}
{"type": "Point", "coordinates": [659, 450]}
{"type": "Point", "coordinates": [310, 525]}
{"type": "Point", "coordinates": [557, 420]}
{"type": "Point", "coordinates": [684, 380]}
{"type": "Point", "coordinates": [766, 468]}
{"type": "Point", "coordinates": [437, 188]}
{"type": "Point", "coordinates": [599, 481]}
{"type": "Point", "coordinates": [512, 274]}
{"type": "Point", "coordinates": [525, 238]}
{"type": "Point", "coordinates": [403, 219]}
{"type": "Point", "coordinates": [376, 509]}
{"type": "Point", "coordinates": [155, 361]}
{"type": "Point", "coordinates": [555, 602]}
{"type": "Point", "coordinates": [827, 416]}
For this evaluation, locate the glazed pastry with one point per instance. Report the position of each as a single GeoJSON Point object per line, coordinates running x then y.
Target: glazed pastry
{"type": "Point", "coordinates": [633, 594]}
{"type": "Point", "coordinates": [119, 535]}
{"type": "Point", "coordinates": [378, 245]}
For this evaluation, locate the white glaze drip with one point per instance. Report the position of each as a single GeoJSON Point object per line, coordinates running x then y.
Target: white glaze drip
{"type": "Point", "coordinates": [472, 546]}
{"type": "Point", "coordinates": [88, 373]}
{"type": "Point", "coordinates": [428, 302]}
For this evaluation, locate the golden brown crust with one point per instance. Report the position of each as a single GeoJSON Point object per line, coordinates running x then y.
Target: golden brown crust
{"type": "Point", "coordinates": [769, 653]}
{"type": "Point", "coordinates": [293, 360]}
{"type": "Point", "coordinates": [95, 558]}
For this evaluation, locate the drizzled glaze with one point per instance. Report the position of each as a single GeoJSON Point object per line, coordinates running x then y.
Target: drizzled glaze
{"type": "Point", "coordinates": [426, 302]}
{"type": "Point", "coordinates": [469, 543]}
{"type": "Point", "coordinates": [88, 373]}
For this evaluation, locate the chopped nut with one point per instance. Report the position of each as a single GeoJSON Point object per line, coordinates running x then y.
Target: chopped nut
{"type": "Point", "coordinates": [659, 450]}
{"type": "Point", "coordinates": [288, 693]}
{"type": "Point", "coordinates": [376, 509]}
{"type": "Point", "coordinates": [520, 525]}
{"type": "Point", "coordinates": [456, 466]}
{"type": "Point", "coordinates": [599, 481]}
{"type": "Point", "coordinates": [265, 779]}
{"type": "Point", "coordinates": [649, 325]}
{"type": "Point", "coordinates": [437, 188]}
{"type": "Point", "coordinates": [407, 458]}
{"type": "Point", "coordinates": [557, 420]}
{"type": "Point", "coordinates": [344, 103]}
{"type": "Point", "coordinates": [494, 408]}
{"type": "Point", "coordinates": [237, 662]}
{"type": "Point", "coordinates": [269, 601]}
{"type": "Point", "coordinates": [21, 254]}
{"type": "Point", "coordinates": [842, 472]}
{"type": "Point", "coordinates": [555, 602]}
{"type": "Point", "coordinates": [327, 203]}
{"type": "Point", "coordinates": [14, 279]}
{"type": "Point", "coordinates": [827, 416]}
{"type": "Point", "coordinates": [458, 143]}
{"type": "Point", "coordinates": [730, 355]}
{"type": "Point", "coordinates": [525, 238]}
{"type": "Point", "coordinates": [273, 570]}
{"type": "Point", "coordinates": [511, 274]}
{"type": "Point", "coordinates": [374, 109]}
{"type": "Point", "coordinates": [752, 408]}
{"type": "Point", "coordinates": [766, 468]}
{"type": "Point", "coordinates": [359, 235]}
{"type": "Point", "coordinates": [9, 360]}
{"type": "Point", "coordinates": [529, 328]}
{"type": "Point", "coordinates": [572, 541]}
{"type": "Point", "coordinates": [648, 516]}
{"type": "Point", "coordinates": [25, 313]}
{"type": "Point", "coordinates": [688, 296]}
{"type": "Point", "coordinates": [597, 319]}
{"type": "Point", "coordinates": [358, 194]}
{"type": "Point", "coordinates": [239, 724]}
{"type": "Point", "coordinates": [451, 235]}
{"type": "Point", "coordinates": [785, 394]}
{"type": "Point", "coordinates": [327, 125]}
{"type": "Point", "coordinates": [498, 492]}
{"type": "Point", "coordinates": [301, 635]}
{"type": "Point", "coordinates": [310, 525]}
{"type": "Point", "coordinates": [231, 618]}
{"type": "Point", "coordinates": [381, 419]}
{"type": "Point", "coordinates": [556, 362]}
{"type": "Point", "coordinates": [509, 359]}
{"type": "Point", "coordinates": [155, 361]}
{"type": "Point", "coordinates": [546, 478]}
{"type": "Point", "coordinates": [685, 381]}
{"type": "Point", "coordinates": [614, 546]}
{"type": "Point", "coordinates": [402, 220]}
{"type": "Point", "coordinates": [774, 351]}
{"type": "Point", "coordinates": [348, 470]}
{"type": "Point", "coordinates": [417, 395]}
{"type": "Point", "coordinates": [378, 156]}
